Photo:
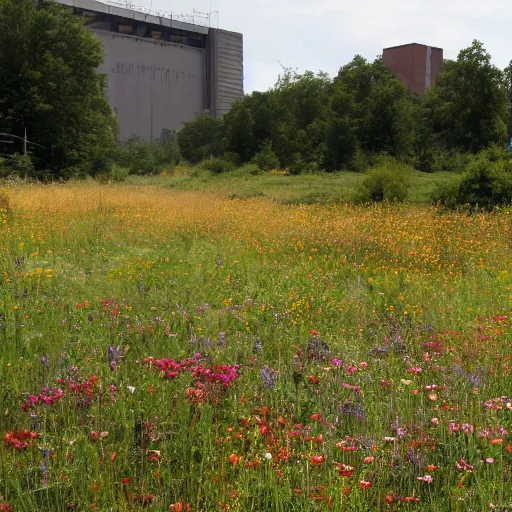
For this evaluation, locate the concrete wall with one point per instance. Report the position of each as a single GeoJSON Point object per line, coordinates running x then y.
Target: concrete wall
{"type": "Point", "coordinates": [226, 69]}
{"type": "Point", "coordinates": [152, 85]}
{"type": "Point", "coordinates": [416, 65]}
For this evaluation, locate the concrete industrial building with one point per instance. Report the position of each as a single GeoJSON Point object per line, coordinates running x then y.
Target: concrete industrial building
{"type": "Point", "coordinates": [417, 65]}
{"type": "Point", "coordinates": [162, 71]}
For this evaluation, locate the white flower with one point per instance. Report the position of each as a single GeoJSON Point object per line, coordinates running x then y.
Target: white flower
{"type": "Point", "coordinates": [268, 456]}
{"type": "Point", "coordinates": [131, 389]}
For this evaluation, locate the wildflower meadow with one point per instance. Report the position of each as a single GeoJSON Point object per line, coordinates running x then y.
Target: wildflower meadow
{"type": "Point", "coordinates": [184, 351]}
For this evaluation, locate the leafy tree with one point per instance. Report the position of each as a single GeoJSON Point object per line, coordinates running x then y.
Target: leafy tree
{"type": "Point", "coordinates": [238, 131]}
{"type": "Point", "coordinates": [51, 88]}
{"type": "Point", "coordinates": [467, 107]}
{"type": "Point", "coordinates": [384, 110]}
{"type": "Point", "coordinates": [201, 138]}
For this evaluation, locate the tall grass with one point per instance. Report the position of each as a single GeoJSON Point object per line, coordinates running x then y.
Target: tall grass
{"type": "Point", "coordinates": [168, 349]}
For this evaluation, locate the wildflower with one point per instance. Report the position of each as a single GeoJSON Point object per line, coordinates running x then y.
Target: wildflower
{"type": "Point", "coordinates": [364, 484]}
{"type": "Point", "coordinates": [435, 421]}
{"type": "Point", "coordinates": [489, 460]}
{"type": "Point", "coordinates": [351, 369]}
{"type": "Point", "coordinates": [268, 456]}
{"type": "Point", "coordinates": [131, 389]}
{"type": "Point", "coordinates": [336, 362]}
{"type": "Point", "coordinates": [180, 507]}
{"type": "Point", "coordinates": [496, 441]}
{"type": "Point", "coordinates": [427, 478]}
{"type": "Point", "coordinates": [368, 460]}
{"type": "Point", "coordinates": [408, 499]}
{"type": "Point", "coordinates": [431, 467]}
{"type": "Point", "coordinates": [268, 377]}
{"type": "Point", "coordinates": [389, 498]}
{"type": "Point", "coordinates": [316, 460]}
{"type": "Point", "coordinates": [462, 464]}
{"type": "Point", "coordinates": [126, 480]}
{"type": "Point", "coordinates": [234, 459]}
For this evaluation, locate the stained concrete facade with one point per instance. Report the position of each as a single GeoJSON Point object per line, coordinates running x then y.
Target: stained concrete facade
{"type": "Point", "coordinates": [162, 72]}
{"type": "Point", "coordinates": [417, 65]}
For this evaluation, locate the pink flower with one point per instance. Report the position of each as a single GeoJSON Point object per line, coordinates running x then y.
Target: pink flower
{"type": "Point", "coordinates": [351, 369]}
{"type": "Point", "coordinates": [368, 460]}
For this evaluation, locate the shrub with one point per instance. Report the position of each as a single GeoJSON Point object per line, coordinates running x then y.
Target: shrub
{"type": "Point", "coordinates": [384, 184]}
{"type": "Point", "coordinates": [218, 165]}
{"type": "Point", "coordinates": [116, 174]}
{"type": "Point", "coordinates": [487, 183]}
{"type": "Point", "coordinates": [22, 165]}
{"type": "Point", "coordinates": [433, 160]}
{"type": "Point", "coordinates": [266, 159]}
{"type": "Point", "coordinates": [142, 157]}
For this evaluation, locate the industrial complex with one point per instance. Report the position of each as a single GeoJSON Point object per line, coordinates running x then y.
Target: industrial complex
{"type": "Point", "coordinates": [163, 71]}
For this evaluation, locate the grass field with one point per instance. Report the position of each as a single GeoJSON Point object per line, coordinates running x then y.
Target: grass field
{"type": "Point", "coordinates": [319, 188]}
{"type": "Point", "coordinates": [167, 346]}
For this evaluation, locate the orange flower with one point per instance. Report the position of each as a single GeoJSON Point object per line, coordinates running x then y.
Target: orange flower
{"type": "Point", "coordinates": [431, 467]}
{"type": "Point", "coordinates": [234, 459]}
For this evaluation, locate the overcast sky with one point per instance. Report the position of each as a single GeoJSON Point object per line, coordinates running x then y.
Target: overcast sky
{"type": "Point", "coordinates": [325, 34]}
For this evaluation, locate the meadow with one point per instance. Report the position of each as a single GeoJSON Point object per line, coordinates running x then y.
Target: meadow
{"type": "Point", "coordinates": [166, 346]}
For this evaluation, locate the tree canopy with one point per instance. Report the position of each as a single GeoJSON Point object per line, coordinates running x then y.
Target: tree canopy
{"type": "Point", "coordinates": [311, 121]}
{"type": "Point", "coordinates": [50, 87]}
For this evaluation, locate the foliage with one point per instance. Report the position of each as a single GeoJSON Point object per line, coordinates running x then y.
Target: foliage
{"type": "Point", "coordinates": [218, 165]}
{"type": "Point", "coordinates": [201, 138]}
{"type": "Point", "coordinates": [143, 157]}
{"type": "Point", "coordinates": [387, 182]}
{"type": "Point", "coordinates": [50, 87]}
{"type": "Point", "coordinates": [466, 109]}
{"type": "Point", "coordinates": [266, 159]}
{"type": "Point", "coordinates": [486, 184]}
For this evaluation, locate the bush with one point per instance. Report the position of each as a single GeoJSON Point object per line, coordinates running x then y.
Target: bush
{"type": "Point", "coordinates": [487, 183]}
{"type": "Point", "coordinates": [434, 160]}
{"type": "Point", "coordinates": [115, 174]}
{"type": "Point", "coordinates": [266, 159]}
{"type": "Point", "coordinates": [218, 165]}
{"type": "Point", "coordinates": [388, 184]}
{"type": "Point", "coordinates": [22, 165]}
{"type": "Point", "coordinates": [142, 157]}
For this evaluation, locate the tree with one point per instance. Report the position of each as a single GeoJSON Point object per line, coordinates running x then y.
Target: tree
{"type": "Point", "coordinates": [384, 109]}
{"type": "Point", "coordinates": [466, 109]}
{"type": "Point", "coordinates": [238, 127]}
{"type": "Point", "coordinates": [50, 87]}
{"type": "Point", "coordinates": [201, 138]}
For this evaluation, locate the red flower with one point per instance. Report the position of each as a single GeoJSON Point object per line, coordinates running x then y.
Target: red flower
{"type": "Point", "coordinates": [234, 459]}
{"type": "Point", "coordinates": [316, 460]}
{"type": "Point", "coordinates": [5, 508]}
{"type": "Point", "coordinates": [313, 380]}
{"type": "Point", "coordinates": [365, 485]}
{"type": "Point", "coordinates": [409, 499]}
{"type": "Point", "coordinates": [389, 498]}
{"type": "Point", "coordinates": [180, 507]}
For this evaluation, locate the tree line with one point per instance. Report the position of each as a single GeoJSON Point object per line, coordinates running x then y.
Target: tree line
{"type": "Point", "coordinates": [309, 121]}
